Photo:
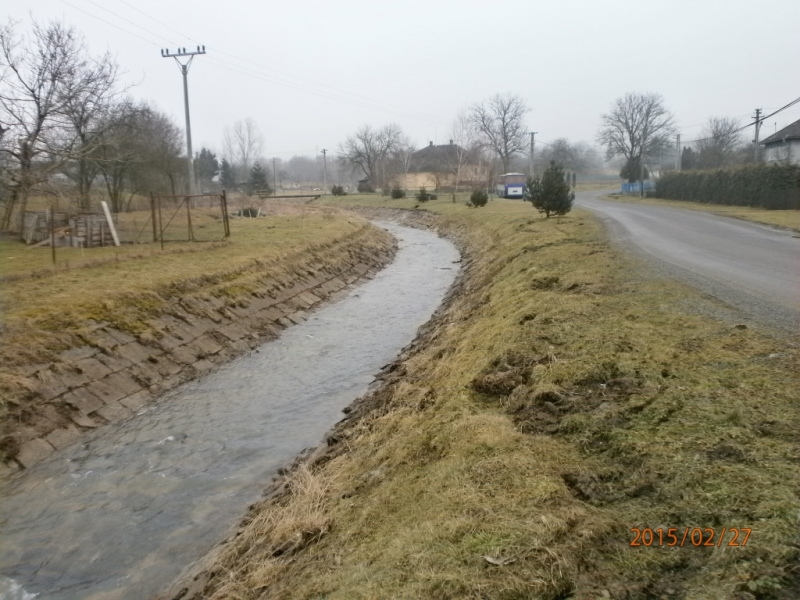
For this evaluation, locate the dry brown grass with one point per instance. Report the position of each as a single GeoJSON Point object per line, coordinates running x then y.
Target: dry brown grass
{"type": "Point", "coordinates": [51, 311]}
{"type": "Point", "coordinates": [787, 219]}
{"type": "Point", "coordinates": [282, 532]}
{"type": "Point", "coordinates": [633, 412]}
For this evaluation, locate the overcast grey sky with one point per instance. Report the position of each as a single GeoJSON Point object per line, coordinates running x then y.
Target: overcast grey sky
{"type": "Point", "coordinates": [312, 71]}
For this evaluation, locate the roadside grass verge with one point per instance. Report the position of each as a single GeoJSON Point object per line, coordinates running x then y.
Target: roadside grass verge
{"type": "Point", "coordinates": [787, 219]}
{"type": "Point", "coordinates": [563, 398]}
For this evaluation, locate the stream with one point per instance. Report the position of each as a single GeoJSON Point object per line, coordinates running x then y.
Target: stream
{"type": "Point", "coordinates": [122, 512]}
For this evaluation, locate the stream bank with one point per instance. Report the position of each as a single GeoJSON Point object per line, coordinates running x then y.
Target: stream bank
{"type": "Point", "coordinates": [118, 515]}
{"type": "Point", "coordinates": [560, 398]}
{"type": "Point", "coordinates": [107, 374]}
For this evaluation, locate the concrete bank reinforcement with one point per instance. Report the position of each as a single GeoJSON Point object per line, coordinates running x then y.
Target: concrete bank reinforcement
{"type": "Point", "coordinates": [112, 374]}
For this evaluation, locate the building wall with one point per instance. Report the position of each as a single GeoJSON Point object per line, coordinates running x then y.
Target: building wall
{"type": "Point", "coordinates": [470, 175]}
{"type": "Point", "coordinates": [783, 151]}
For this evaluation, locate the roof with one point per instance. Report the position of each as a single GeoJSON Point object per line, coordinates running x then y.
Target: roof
{"type": "Point", "coordinates": [790, 132]}
{"type": "Point", "coordinates": [435, 158]}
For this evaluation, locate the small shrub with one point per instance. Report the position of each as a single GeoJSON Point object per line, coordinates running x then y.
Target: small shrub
{"type": "Point", "coordinates": [479, 197]}
{"type": "Point", "coordinates": [365, 187]}
{"type": "Point", "coordinates": [398, 192]}
{"type": "Point", "coordinates": [434, 197]}
{"type": "Point", "coordinates": [423, 195]}
{"type": "Point", "coordinates": [338, 190]}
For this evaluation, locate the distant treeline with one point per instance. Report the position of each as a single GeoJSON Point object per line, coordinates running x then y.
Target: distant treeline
{"type": "Point", "coordinates": [770, 187]}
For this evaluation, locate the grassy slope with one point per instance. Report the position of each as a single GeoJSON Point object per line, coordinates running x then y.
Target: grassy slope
{"type": "Point", "coordinates": [625, 412]}
{"type": "Point", "coordinates": [789, 219]}
{"type": "Point", "coordinates": [121, 284]}
{"type": "Point", "coordinates": [46, 312]}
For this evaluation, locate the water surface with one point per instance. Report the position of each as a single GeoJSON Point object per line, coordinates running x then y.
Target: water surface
{"type": "Point", "coordinates": [122, 513]}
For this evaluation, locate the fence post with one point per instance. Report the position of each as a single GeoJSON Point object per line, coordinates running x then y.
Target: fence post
{"type": "Point", "coordinates": [160, 223]}
{"type": "Point", "coordinates": [188, 201]}
{"type": "Point", "coordinates": [53, 234]}
{"type": "Point", "coordinates": [153, 217]}
{"type": "Point", "coordinates": [225, 223]}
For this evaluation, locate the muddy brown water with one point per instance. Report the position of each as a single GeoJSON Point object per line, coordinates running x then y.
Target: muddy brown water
{"type": "Point", "coordinates": [121, 513]}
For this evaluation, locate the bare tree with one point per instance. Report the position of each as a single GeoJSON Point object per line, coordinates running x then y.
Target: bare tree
{"type": "Point", "coordinates": [399, 162]}
{"type": "Point", "coordinates": [499, 123]}
{"type": "Point", "coordinates": [166, 154]}
{"type": "Point", "coordinates": [242, 145]}
{"type": "Point", "coordinates": [462, 136]}
{"type": "Point", "coordinates": [141, 151]}
{"type": "Point", "coordinates": [367, 149]}
{"type": "Point", "coordinates": [44, 75]}
{"type": "Point", "coordinates": [719, 144]}
{"type": "Point", "coordinates": [637, 127]}
{"type": "Point", "coordinates": [118, 148]}
{"type": "Point", "coordinates": [85, 106]}
{"type": "Point", "coordinates": [579, 156]}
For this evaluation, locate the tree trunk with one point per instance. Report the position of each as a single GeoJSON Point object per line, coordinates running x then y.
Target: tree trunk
{"type": "Point", "coordinates": [12, 202]}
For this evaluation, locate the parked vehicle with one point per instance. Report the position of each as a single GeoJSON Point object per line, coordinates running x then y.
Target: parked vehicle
{"type": "Point", "coordinates": [510, 185]}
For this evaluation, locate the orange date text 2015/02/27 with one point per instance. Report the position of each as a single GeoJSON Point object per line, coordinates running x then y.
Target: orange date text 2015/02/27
{"type": "Point", "coordinates": [690, 536]}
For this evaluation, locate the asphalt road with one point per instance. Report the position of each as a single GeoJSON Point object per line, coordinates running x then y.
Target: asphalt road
{"type": "Point", "coordinates": [752, 268]}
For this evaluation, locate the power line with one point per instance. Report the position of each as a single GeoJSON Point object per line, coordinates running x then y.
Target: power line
{"type": "Point", "coordinates": [130, 22]}
{"type": "Point", "coordinates": [342, 95]}
{"type": "Point", "coordinates": [759, 119]}
{"type": "Point", "coordinates": [792, 103]}
{"type": "Point", "coordinates": [109, 23]}
{"type": "Point", "coordinates": [157, 21]}
{"type": "Point", "coordinates": [324, 94]}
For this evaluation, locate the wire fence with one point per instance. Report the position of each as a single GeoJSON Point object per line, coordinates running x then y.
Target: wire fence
{"type": "Point", "coordinates": [199, 218]}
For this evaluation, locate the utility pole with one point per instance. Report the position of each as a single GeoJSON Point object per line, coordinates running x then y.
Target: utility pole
{"type": "Point", "coordinates": [324, 170]}
{"type": "Point", "coordinates": [274, 185]}
{"type": "Point", "coordinates": [678, 153]}
{"type": "Point", "coordinates": [533, 133]}
{"type": "Point", "coordinates": [184, 67]}
{"type": "Point", "coordinates": [758, 127]}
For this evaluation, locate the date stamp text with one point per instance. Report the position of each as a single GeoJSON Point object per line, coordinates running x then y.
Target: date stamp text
{"type": "Point", "coordinates": [691, 536]}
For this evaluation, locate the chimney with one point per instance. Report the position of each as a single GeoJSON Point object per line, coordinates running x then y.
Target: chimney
{"type": "Point", "coordinates": [431, 144]}
{"type": "Point", "coordinates": [451, 142]}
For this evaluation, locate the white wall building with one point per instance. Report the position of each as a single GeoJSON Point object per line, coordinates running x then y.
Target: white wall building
{"type": "Point", "coordinates": [783, 146]}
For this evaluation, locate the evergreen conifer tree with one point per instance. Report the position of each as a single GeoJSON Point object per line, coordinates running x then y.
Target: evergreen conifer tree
{"type": "Point", "coordinates": [258, 179]}
{"type": "Point", "coordinates": [551, 193]}
{"type": "Point", "coordinates": [206, 167]}
{"type": "Point", "coordinates": [226, 175]}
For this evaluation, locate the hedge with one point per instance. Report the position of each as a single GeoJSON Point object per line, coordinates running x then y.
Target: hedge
{"type": "Point", "coordinates": [770, 187]}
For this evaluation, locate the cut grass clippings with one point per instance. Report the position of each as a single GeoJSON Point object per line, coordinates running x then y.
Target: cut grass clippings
{"type": "Point", "coordinates": [562, 399]}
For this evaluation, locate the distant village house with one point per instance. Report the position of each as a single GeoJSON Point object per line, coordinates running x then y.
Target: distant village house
{"type": "Point", "coordinates": [783, 146]}
{"type": "Point", "coordinates": [435, 167]}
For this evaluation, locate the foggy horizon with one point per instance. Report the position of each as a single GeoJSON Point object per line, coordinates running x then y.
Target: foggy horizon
{"type": "Point", "coordinates": [310, 74]}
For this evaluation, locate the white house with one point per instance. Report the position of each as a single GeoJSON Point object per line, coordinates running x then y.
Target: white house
{"type": "Point", "coordinates": [783, 146]}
